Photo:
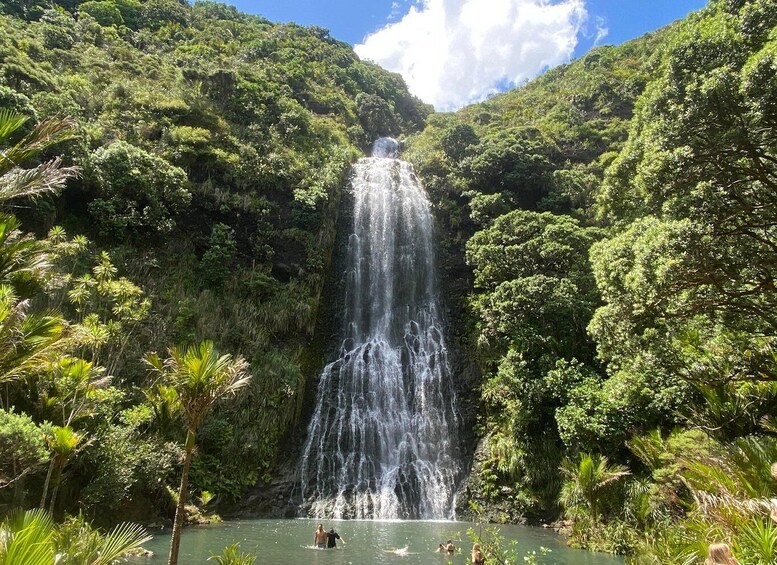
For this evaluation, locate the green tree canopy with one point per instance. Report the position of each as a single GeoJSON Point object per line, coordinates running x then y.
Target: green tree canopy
{"type": "Point", "coordinates": [138, 193]}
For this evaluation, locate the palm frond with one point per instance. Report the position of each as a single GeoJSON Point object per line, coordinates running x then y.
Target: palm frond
{"type": "Point", "coordinates": [21, 256]}
{"type": "Point", "coordinates": [27, 341]}
{"type": "Point", "coordinates": [17, 181]}
{"type": "Point", "coordinates": [649, 448]}
{"type": "Point", "coordinates": [10, 121]}
{"type": "Point", "coordinates": [769, 423]}
{"type": "Point", "coordinates": [757, 542]}
{"type": "Point", "coordinates": [231, 556]}
{"type": "Point", "coordinates": [123, 538]}
{"type": "Point", "coordinates": [200, 376]}
{"type": "Point", "coordinates": [715, 503]}
{"type": "Point", "coordinates": [47, 133]}
{"type": "Point", "coordinates": [46, 178]}
{"type": "Point", "coordinates": [29, 538]}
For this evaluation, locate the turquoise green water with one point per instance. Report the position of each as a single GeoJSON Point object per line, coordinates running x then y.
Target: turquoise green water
{"type": "Point", "coordinates": [288, 542]}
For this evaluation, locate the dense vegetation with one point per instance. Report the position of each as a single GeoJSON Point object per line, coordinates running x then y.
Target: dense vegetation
{"type": "Point", "coordinates": [515, 181]}
{"type": "Point", "coordinates": [205, 154]}
{"type": "Point", "coordinates": [608, 235]}
{"type": "Point", "coordinates": [617, 215]}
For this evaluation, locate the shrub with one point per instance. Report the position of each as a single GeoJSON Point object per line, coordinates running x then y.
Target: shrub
{"type": "Point", "coordinates": [216, 262]}
{"type": "Point", "coordinates": [106, 13]}
{"type": "Point", "coordinates": [138, 192]}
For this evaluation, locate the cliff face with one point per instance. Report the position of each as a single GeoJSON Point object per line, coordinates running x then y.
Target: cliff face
{"type": "Point", "coordinates": [214, 148]}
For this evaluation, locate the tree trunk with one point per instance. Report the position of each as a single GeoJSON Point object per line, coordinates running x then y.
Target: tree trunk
{"type": "Point", "coordinates": [180, 511]}
{"type": "Point", "coordinates": [46, 485]}
{"type": "Point", "coordinates": [55, 490]}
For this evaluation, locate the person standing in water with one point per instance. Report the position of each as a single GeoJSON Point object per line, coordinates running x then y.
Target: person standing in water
{"type": "Point", "coordinates": [331, 537]}
{"type": "Point", "coordinates": [320, 537]}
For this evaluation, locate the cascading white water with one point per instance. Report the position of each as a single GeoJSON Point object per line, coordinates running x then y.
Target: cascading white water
{"type": "Point", "coordinates": [382, 442]}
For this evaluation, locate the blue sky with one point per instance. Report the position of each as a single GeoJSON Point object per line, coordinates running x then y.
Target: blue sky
{"type": "Point", "coordinates": [453, 52]}
{"type": "Point", "coordinates": [627, 19]}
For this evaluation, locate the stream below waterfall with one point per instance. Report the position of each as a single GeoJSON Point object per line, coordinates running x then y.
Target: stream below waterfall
{"type": "Point", "coordinates": [367, 542]}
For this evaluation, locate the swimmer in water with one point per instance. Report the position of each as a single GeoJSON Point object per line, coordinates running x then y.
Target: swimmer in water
{"type": "Point", "coordinates": [331, 537]}
{"type": "Point", "coordinates": [400, 551]}
{"type": "Point", "coordinates": [319, 537]}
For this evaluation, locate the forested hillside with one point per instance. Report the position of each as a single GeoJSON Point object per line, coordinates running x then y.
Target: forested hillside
{"type": "Point", "coordinates": [515, 181]}
{"type": "Point", "coordinates": [617, 218]}
{"type": "Point", "coordinates": [211, 150]}
{"type": "Point", "coordinates": [608, 241]}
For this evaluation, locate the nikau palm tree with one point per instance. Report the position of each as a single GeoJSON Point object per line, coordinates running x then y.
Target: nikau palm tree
{"type": "Point", "coordinates": [200, 376]}
{"type": "Point", "coordinates": [587, 480]}
{"type": "Point", "coordinates": [64, 444]}
{"type": "Point", "coordinates": [23, 259]}
{"type": "Point", "coordinates": [26, 340]}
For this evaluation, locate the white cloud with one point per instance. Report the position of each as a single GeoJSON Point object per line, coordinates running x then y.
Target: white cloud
{"type": "Point", "coordinates": [454, 52]}
{"type": "Point", "coordinates": [602, 30]}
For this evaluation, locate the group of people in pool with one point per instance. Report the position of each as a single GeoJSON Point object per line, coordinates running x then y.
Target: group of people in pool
{"type": "Point", "coordinates": [326, 540]}
{"type": "Point", "coordinates": [477, 555]}
{"type": "Point", "coordinates": [446, 548]}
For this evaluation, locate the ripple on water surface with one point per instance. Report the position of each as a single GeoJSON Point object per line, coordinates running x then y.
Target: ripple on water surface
{"type": "Point", "coordinates": [288, 542]}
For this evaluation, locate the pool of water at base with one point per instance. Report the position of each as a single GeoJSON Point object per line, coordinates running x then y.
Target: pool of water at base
{"type": "Point", "coordinates": [289, 542]}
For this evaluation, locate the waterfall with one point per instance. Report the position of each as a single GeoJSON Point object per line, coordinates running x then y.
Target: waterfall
{"type": "Point", "coordinates": [382, 442]}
